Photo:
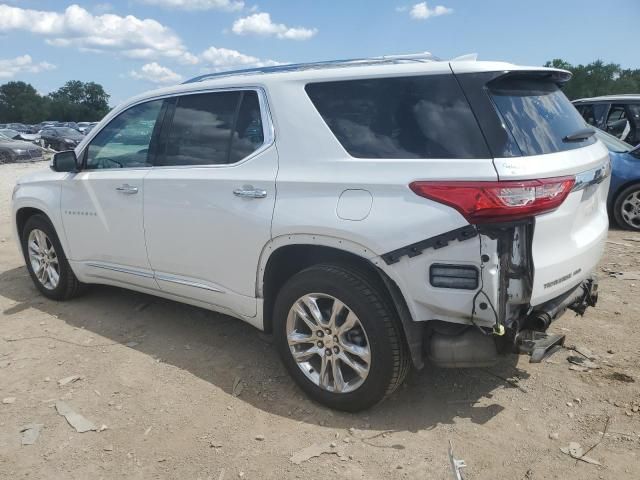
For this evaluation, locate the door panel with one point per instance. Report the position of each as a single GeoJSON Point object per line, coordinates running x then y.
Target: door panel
{"type": "Point", "coordinates": [104, 225]}
{"type": "Point", "coordinates": [198, 230]}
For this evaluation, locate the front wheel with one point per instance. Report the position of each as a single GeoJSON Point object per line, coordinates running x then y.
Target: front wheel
{"type": "Point", "coordinates": [46, 261]}
{"type": "Point", "coordinates": [626, 209]}
{"type": "Point", "coordinates": [339, 338]}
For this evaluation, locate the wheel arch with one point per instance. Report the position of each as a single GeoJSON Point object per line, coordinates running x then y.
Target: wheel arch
{"type": "Point", "coordinates": [283, 259]}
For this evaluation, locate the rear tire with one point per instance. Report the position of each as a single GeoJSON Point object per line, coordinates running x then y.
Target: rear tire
{"type": "Point", "coordinates": [626, 208]}
{"type": "Point", "coordinates": [60, 283]}
{"type": "Point", "coordinates": [365, 329]}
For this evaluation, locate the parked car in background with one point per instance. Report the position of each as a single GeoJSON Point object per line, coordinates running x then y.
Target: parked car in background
{"type": "Point", "coordinates": [60, 138]}
{"type": "Point", "coordinates": [624, 193]}
{"type": "Point", "coordinates": [331, 205]}
{"type": "Point", "coordinates": [19, 127]}
{"type": "Point", "coordinates": [10, 133]}
{"type": "Point", "coordinates": [17, 150]}
{"type": "Point", "coordinates": [618, 115]}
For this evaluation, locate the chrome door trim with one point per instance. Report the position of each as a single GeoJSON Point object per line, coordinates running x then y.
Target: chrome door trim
{"type": "Point", "coordinates": [165, 277]}
{"type": "Point", "coordinates": [119, 269]}
{"type": "Point", "coordinates": [592, 177]}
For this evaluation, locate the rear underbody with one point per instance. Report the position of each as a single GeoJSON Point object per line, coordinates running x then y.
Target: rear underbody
{"type": "Point", "coordinates": [519, 326]}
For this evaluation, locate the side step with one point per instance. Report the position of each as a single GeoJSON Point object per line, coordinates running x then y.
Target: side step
{"type": "Point", "coordinates": [539, 345]}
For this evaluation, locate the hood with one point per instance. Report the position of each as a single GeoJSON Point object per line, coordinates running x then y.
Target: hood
{"type": "Point", "coordinates": [16, 144]}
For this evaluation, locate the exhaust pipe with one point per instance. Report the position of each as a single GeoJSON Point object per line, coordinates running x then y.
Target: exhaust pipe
{"type": "Point", "coordinates": [583, 296]}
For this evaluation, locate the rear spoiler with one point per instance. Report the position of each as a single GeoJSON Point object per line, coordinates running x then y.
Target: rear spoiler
{"type": "Point", "coordinates": [559, 77]}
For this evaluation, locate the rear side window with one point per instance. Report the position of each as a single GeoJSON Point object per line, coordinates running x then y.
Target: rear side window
{"type": "Point", "coordinates": [407, 117]}
{"type": "Point", "coordinates": [213, 129]}
{"type": "Point", "coordinates": [538, 115]}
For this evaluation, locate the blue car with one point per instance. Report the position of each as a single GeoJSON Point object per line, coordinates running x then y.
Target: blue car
{"type": "Point", "coordinates": [624, 194]}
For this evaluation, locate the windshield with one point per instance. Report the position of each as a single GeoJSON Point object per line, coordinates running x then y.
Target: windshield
{"type": "Point", "coordinates": [538, 115]}
{"type": "Point", "coordinates": [66, 132]}
{"type": "Point", "coordinates": [614, 144]}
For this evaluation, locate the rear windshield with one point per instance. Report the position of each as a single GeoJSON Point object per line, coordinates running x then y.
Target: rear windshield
{"type": "Point", "coordinates": [538, 115]}
{"type": "Point", "coordinates": [407, 117]}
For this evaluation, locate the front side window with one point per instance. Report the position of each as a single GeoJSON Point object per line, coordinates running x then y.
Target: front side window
{"type": "Point", "coordinates": [125, 142]}
{"type": "Point", "coordinates": [215, 128]}
{"type": "Point", "coordinates": [405, 117]}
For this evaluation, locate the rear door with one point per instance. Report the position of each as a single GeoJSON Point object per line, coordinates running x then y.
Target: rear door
{"type": "Point", "coordinates": [209, 199]}
{"type": "Point", "coordinates": [527, 119]}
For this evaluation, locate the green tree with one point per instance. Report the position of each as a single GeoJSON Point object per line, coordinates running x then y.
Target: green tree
{"type": "Point", "coordinates": [20, 102]}
{"type": "Point", "coordinates": [597, 78]}
{"type": "Point", "coordinates": [78, 101]}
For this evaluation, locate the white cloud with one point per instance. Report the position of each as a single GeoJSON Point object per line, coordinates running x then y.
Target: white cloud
{"type": "Point", "coordinates": [23, 64]}
{"type": "Point", "coordinates": [152, 72]}
{"type": "Point", "coordinates": [421, 11]}
{"type": "Point", "coordinates": [229, 5]}
{"type": "Point", "coordinates": [77, 27]}
{"type": "Point", "coordinates": [261, 24]}
{"type": "Point", "coordinates": [225, 58]}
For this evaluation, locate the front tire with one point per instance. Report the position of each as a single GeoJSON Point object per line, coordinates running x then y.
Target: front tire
{"type": "Point", "coordinates": [626, 208]}
{"type": "Point", "coordinates": [46, 261]}
{"type": "Point", "coordinates": [339, 337]}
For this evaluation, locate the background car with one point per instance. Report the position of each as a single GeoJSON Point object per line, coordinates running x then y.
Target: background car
{"type": "Point", "coordinates": [60, 138]}
{"type": "Point", "coordinates": [623, 201]}
{"type": "Point", "coordinates": [17, 150]}
{"type": "Point", "coordinates": [618, 115]}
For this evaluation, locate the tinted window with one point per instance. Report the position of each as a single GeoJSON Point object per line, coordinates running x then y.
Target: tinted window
{"type": "Point", "coordinates": [125, 141]}
{"type": "Point", "coordinates": [587, 113]}
{"type": "Point", "coordinates": [408, 117]}
{"type": "Point", "coordinates": [248, 134]}
{"type": "Point", "coordinates": [538, 115]}
{"type": "Point", "coordinates": [200, 132]}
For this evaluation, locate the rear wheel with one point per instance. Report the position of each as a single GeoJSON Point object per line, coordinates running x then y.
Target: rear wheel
{"type": "Point", "coordinates": [339, 338]}
{"type": "Point", "coordinates": [46, 261]}
{"type": "Point", "coordinates": [626, 209]}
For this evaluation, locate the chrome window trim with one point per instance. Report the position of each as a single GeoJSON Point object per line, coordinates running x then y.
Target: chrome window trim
{"type": "Point", "coordinates": [592, 177]}
{"type": "Point", "coordinates": [268, 128]}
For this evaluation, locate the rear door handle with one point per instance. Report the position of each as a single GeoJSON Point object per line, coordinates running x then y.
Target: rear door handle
{"type": "Point", "coordinates": [248, 191]}
{"type": "Point", "coordinates": [127, 189]}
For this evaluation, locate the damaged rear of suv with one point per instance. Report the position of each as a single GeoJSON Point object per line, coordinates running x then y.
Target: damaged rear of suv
{"type": "Point", "coordinates": [492, 190]}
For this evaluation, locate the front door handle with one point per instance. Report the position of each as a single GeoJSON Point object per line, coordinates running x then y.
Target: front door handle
{"type": "Point", "coordinates": [127, 189]}
{"type": "Point", "coordinates": [248, 191]}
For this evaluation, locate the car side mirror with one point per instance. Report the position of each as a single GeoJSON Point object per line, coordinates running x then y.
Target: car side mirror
{"type": "Point", "coordinates": [65, 162]}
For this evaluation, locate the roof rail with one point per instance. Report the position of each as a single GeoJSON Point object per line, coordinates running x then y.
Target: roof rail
{"type": "Point", "coordinates": [293, 67]}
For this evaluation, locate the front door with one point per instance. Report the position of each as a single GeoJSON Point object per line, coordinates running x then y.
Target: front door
{"type": "Point", "coordinates": [102, 206]}
{"type": "Point", "coordinates": [209, 200]}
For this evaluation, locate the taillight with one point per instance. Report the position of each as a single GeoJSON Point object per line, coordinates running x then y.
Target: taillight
{"type": "Point", "coordinates": [491, 202]}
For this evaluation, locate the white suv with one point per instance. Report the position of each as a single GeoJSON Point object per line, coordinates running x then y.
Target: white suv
{"type": "Point", "coordinates": [369, 214]}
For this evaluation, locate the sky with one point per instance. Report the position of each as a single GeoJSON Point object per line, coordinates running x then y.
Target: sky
{"type": "Point", "coordinates": [130, 46]}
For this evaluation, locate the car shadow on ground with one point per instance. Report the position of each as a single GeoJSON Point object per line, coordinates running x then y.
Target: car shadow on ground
{"type": "Point", "coordinates": [220, 350]}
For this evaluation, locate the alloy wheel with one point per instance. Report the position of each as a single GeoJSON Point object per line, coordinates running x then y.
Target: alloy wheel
{"type": "Point", "coordinates": [630, 209]}
{"type": "Point", "coordinates": [328, 343]}
{"type": "Point", "coordinates": [43, 259]}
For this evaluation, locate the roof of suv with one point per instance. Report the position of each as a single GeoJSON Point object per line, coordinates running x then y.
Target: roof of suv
{"type": "Point", "coordinates": [634, 97]}
{"type": "Point", "coordinates": [335, 70]}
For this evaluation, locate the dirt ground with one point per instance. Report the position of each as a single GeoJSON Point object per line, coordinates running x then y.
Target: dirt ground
{"type": "Point", "coordinates": [157, 378]}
